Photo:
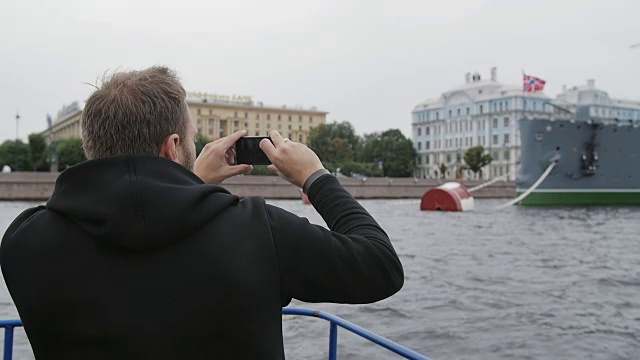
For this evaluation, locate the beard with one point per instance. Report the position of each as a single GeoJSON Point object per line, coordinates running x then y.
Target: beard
{"type": "Point", "coordinates": [188, 159]}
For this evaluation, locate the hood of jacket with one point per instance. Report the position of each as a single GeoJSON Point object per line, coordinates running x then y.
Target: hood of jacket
{"type": "Point", "coordinates": [137, 202]}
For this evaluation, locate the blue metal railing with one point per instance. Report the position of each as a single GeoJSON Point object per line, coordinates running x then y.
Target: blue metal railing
{"type": "Point", "coordinates": [333, 334]}
{"type": "Point", "coordinates": [10, 325]}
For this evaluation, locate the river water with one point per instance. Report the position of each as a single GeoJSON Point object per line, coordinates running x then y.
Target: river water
{"type": "Point", "coordinates": [519, 283]}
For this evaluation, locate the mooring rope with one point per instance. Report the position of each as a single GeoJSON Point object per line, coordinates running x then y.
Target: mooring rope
{"type": "Point", "coordinates": [501, 177]}
{"type": "Point", "coordinates": [532, 188]}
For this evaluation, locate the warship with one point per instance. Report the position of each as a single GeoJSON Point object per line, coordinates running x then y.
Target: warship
{"type": "Point", "coordinates": [581, 155]}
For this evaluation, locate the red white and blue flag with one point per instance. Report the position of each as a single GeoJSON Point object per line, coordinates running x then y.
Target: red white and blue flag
{"type": "Point", "coordinates": [532, 83]}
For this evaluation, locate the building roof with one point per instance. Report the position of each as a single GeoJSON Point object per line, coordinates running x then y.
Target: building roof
{"type": "Point", "coordinates": [475, 91]}
{"type": "Point", "coordinates": [590, 95]}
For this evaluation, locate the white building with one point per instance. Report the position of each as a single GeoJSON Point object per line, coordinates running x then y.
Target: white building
{"type": "Point", "coordinates": [592, 103]}
{"type": "Point", "coordinates": [486, 112]}
{"type": "Point", "coordinates": [479, 112]}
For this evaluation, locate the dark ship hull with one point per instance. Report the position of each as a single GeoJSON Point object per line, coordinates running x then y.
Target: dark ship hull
{"type": "Point", "coordinates": [597, 163]}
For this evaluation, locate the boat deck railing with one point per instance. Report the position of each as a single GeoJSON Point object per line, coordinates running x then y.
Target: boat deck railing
{"type": "Point", "coordinates": [334, 322]}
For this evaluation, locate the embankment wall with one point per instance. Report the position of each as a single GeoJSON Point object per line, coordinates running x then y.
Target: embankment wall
{"type": "Point", "coordinates": [39, 186]}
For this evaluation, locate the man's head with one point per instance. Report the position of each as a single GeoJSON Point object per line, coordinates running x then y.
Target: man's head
{"type": "Point", "coordinates": [139, 113]}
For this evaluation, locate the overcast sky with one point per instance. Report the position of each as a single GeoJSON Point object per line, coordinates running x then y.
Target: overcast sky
{"type": "Point", "coordinates": [366, 62]}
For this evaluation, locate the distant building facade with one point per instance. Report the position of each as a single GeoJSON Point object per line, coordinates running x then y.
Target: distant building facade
{"type": "Point", "coordinates": [589, 102]}
{"type": "Point", "coordinates": [479, 112]}
{"type": "Point", "coordinates": [486, 112]}
{"type": "Point", "coordinates": [217, 116]}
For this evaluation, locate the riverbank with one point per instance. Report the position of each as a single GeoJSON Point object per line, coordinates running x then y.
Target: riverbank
{"type": "Point", "coordinates": [38, 186]}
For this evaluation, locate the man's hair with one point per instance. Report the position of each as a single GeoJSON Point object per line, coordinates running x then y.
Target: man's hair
{"type": "Point", "coordinates": [133, 112]}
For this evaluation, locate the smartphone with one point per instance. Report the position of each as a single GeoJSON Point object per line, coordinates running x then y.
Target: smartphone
{"type": "Point", "coordinates": [248, 151]}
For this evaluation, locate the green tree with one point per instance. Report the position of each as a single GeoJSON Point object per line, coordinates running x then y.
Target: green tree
{"type": "Point", "coordinates": [15, 153]}
{"type": "Point", "coordinates": [261, 170]}
{"type": "Point", "coordinates": [392, 150]}
{"type": "Point", "coordinates": [69, 152]}
{"type": "Point", "coordinates": [443, 170]}
{"type": "Point", "coordinates": [38, 152]}
{"type": "Point", "coordinates": [334, 142]}
{"type": "Point", "coordinates": [201, 141]}
{"type": "Point", "coordinates": [476, 159]}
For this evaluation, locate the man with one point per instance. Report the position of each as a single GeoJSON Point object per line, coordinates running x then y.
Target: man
{"type": "Point", "coordinates": [134, 256]}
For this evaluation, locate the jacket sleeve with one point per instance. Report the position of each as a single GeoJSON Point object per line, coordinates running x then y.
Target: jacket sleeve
{"type": "Point", "coordinates": [353, 262]}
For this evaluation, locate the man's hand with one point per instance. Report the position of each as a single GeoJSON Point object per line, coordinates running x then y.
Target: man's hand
{"type": "Point", "coordinates": [215, 163]}
{"type": "Point", "coordinates": [292, 161]}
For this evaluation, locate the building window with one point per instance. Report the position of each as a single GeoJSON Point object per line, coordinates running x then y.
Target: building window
{"type": "Point", "coordinates": [449, 113]}
{"type": "Point", "coordinates": [210, 131]}
{"type": "Point", "coordinates": [506, 105]}
{"type": "Point", "coordinates": [419, 131]}
{"type": "Point", "coordinates": [210, 122]}
{"type": "Point", "coordinates": [419, 160]}
{"type": "Point", "coordinates": [427, 145]}
{"type": "Point", "coordinates": [235, 114]}
{"type": "Point", "coordinates": [458, 112]}
{"type": "Point", "coordinates": [246, 115]}
{"type": "Point", "coordinates": [506, 139]}
{"type": "Point", "coordinates": [199, 111]}
{"type": "Point", "coordinates": [289, 117]}
{"type": "Point", "coordinates": [299, 118]}
{"type": "Point", "coordinates": [268, 116]}
{"type": "Point", "coordinates": [448, 158]}
{"type": "Point", "coordinates": [507, 155]}
{"type": "Point", "coordinates": [300, 127]}
{"type": "Point", "coordinates": [236, 124]}
{"type": "Point", "coordinates": [495, 139]}
{"type": "Point", "coordinates": [426, 130]}
{"type": "Point", "coordinates": [257, 125]}
{"type": "Point", "coordinates": [495, 156]}
{"type": "Point", "coordinates": [501, 106]}
{"type": "Point", "coordinates": [246, 124]}
{"type": "Point", "coordinates": [495, 123]}
{"type": "Point", "coordinates": [257, 133]}
{"type": "Point", "coordinates": [210, 112]}
{"type": "Point", "coordinates": [300, 138]}
{"type": "Point", "coordinates": [269, 126]}
{"type": "Point", "coordinates": [481, 109]}
{"type": "Point", "coordinates": [278, 116]}
{"type": "Point", "coordinates": [289, 126]}
{"type": "Point", "coordinates": [419, 145]}
{"type": "Point", "coordinates": [437, 115]}
{"type": "Point", "coordinates": [468, 110]}
{"type": "Point", "coordinates": [258, 116]}
{"type": "Point", "coordinates": [506, 121]}
{"type": "Point", "coordinates": [223, 126]}
{"type": "Point", "coordinates": [310, 119]}
{"type": "Point", "coordinates": [426, 159]}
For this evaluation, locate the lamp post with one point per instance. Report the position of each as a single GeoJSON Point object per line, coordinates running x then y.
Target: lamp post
{"type": "Point", "coordinates": [17, 122]}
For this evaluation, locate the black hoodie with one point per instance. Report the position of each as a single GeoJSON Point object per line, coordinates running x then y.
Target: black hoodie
{"type": "Point", "coordinates": [133, 257]}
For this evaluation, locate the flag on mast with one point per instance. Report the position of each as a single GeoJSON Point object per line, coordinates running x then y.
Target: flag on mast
{"type": "Point", "coordinates": [532, 83]}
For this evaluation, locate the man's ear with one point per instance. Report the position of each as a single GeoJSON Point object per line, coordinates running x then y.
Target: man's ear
{"type": "Point", "coordinates": [169, 148]}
